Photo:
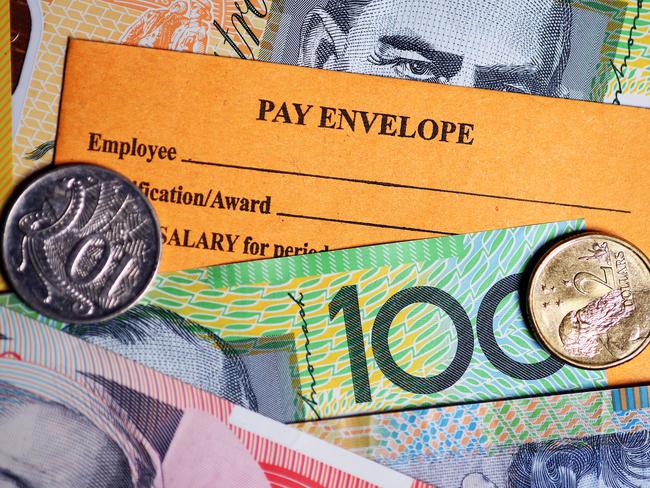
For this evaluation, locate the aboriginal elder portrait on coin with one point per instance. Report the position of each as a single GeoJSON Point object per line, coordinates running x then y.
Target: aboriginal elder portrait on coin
{"type": "Point", "coordinates": [585, 332]}
{"type": "Point", "coordinates": [590, 300]}
{"type": "Point", "coordinates": [505, 45]}
{"type": "Point", "coordinates": [605, 325]}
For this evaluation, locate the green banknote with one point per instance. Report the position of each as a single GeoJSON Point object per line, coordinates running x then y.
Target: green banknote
{"type": "Point", "coordinates": [597, 439]}
{"type": "Point", "coordinates": [410, 324]}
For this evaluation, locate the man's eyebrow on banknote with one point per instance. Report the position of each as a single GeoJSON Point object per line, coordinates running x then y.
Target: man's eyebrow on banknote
{"type": "Point", "coordinates": [519, 78]}
{"type": "Point", "coordinates": [418, 45]}
{"type": "Point", "coordinates": [412, 49]}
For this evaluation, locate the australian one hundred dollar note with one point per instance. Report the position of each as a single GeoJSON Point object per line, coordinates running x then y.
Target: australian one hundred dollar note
{"type": "Point", "coordinates": [420, 323]}
{"type": "Point", "coordinates": [583, 49]}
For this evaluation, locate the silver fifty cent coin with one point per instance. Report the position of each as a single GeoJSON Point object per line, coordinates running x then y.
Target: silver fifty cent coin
{"type": "Point", "coordinates": [81, 243]}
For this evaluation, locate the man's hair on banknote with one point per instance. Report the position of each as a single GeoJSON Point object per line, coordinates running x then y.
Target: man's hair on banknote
{"type": "Point", "coordinates": [174, 345]}
{"type": "Point", "coordinates": [611, 460]}
{"type": "Point", "coordinates": [505, 45]}
{"type": "Point", "coordinates": [54, 444]}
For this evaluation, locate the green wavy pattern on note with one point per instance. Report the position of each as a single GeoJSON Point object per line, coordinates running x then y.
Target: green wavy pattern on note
{"type": "Point", "coordinates": [422, 338]}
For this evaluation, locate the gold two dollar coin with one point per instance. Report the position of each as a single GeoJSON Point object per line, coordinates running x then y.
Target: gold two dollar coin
{"type": "Point", "coordinates": [589, 301]}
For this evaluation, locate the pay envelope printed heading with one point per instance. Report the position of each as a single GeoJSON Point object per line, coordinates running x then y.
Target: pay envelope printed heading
{"type": "Point", "coordinates": [246, 160]}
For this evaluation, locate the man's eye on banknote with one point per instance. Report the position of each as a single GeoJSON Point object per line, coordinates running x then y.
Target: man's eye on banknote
{"type": "Point", "coordinates": [502, 46]}
{"type": "Point", "coordinates": [413, 59]}
{"type": "Point", "coordinates": [387, 255]}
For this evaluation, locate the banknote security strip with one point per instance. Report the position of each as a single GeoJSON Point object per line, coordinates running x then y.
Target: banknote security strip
{"type": "Point", "coordinates": [630, 399]}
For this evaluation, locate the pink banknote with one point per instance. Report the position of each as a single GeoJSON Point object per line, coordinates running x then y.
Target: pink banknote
{"type": "Point", "coordinates": [73, 414]}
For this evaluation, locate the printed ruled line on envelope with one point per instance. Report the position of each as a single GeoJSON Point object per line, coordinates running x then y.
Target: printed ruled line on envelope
{"type": "Point", "coordinates": [289, 160]}
{"type": "Point", "coordinates": [408, 187]}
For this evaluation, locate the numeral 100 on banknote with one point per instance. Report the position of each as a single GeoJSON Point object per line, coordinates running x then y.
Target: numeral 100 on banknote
{"type": "Point", "coordinates": [346, 300]}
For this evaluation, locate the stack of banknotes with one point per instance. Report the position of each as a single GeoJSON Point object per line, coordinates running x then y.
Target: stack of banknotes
{"type": "Point", "coordinates": [259, 274]}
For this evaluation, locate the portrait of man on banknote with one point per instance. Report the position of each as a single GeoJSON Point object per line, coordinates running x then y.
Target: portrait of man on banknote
{"type": "Point", "coordinates": [620, 459]}
{"type": "Point", "coordinates": [612, 460]}
{"type": "Point", "coordinates": [175, 346]}
{"type": "Point", "coordinates": [506, 45]}
{"type": "Point", "coordinates": [93, 432]}
{"type": "Point", "coordinates": [55, 444]}
{"type": "Point", "coordinates": [178, 347]}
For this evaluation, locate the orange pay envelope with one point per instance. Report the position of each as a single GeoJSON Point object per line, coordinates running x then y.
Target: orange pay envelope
{"type": "Point", "coordinates": [246, 160]}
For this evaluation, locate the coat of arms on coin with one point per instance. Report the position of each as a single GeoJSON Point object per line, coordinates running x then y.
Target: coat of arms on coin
{"type": "Point", "coordinates": [589, 301]}
{"type": "Point", "coordinates": [81, 243]}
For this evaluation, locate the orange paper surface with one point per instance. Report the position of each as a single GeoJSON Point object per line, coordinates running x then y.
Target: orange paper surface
{"type": "Point", "coordinates": [531, 159]}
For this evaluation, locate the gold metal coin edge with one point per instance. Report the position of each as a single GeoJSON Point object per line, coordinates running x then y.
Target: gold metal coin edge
{"type": "Point", "coordinates": [531, 313]}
